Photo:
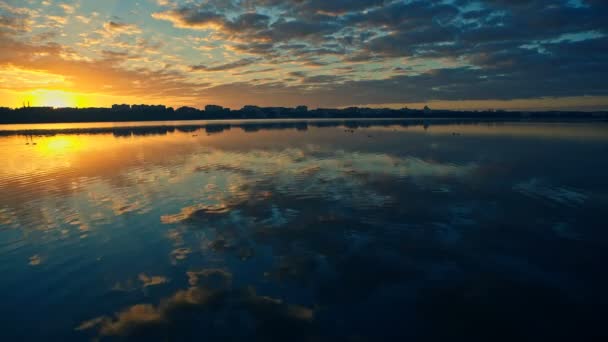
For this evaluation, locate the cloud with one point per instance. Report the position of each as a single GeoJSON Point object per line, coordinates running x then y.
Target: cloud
{"type": "Point", "coordinates": [191, 17]}
{"type": "Point", "coordinates": [352, 52]}
{"type": "Point", "coordinates": [90, 75]}
{"type": "Point", "coordinates": [67, 8]}
{"type": "Point", "coordinates": [244, 27]}
{"type": "Point", "coordinates": [14, 23]}
{"type": "Point", "coordinates": [228, 66]}
{"type": "Point", "coordinates": [15, 20]}
{"type": "Point", "coordinates": [113, 28]}
{"type": "Point", "coordinates": [55, 20]}
{"type": "Point", "coordinates": [83, 19]}
{"type": "Point", "coordinates": [248, 72]}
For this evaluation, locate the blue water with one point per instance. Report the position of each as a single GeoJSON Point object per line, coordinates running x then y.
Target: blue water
{"type": "Point", "coordinates": [319, 231]}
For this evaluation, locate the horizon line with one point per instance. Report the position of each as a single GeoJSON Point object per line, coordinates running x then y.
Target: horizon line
{"type": "Point", "coordinates": [590, 109]}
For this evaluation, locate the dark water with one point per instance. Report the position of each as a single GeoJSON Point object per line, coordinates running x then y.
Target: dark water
{"type": "Point", "coordinates": [296, 232]}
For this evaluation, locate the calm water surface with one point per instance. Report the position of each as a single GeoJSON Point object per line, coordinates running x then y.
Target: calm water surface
{"type": "Point", "coordinates": [314, 232]}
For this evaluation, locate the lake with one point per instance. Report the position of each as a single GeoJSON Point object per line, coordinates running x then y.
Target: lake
{"type": "Point", "coordinates": [304, 231]}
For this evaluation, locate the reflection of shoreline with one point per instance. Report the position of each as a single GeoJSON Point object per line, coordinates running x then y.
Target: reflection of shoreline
{"type": "Point", "coordinates": [163, 128]}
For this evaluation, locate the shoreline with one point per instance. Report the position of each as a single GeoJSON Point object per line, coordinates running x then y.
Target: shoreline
{"type": "Point", "coordinates": [127, 128]}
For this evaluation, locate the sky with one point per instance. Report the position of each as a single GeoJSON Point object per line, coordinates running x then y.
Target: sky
{"type": "Point", "coordinates": [454, 54]}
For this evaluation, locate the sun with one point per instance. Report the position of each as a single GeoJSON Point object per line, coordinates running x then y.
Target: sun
{"type": "Point", "coordinates": [55, 98]}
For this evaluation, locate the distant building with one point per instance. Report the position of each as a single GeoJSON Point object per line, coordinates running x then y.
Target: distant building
{"type": "Point", "coordinates": [42, 109]}
{"type": "Point", "coordinates": [148, 108]}
{"type": "Point", "coordinates": [251, 110]}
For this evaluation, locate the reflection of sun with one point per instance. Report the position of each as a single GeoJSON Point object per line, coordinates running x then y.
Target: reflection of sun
{"type": "Point", "coordinates": [56, 98]}
{"type": "Point", "coordinates": [59, 144]}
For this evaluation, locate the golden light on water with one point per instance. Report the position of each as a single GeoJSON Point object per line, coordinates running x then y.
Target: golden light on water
{"type": "Point", "coordinates": [59, 144]}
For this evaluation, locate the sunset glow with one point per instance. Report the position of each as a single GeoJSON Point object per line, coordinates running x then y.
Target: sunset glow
{"type": "Point", "coordinates": [57, 98]}
{"type": "Point", "coordinates": [455, 54]}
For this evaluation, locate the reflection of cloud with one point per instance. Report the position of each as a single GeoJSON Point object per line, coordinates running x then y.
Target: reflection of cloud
{"type": "Point", "coordinates": [196, 211]}
{"type": "Point", "coordinates": [270, 317]}
{"type": "Point", "coordinates": [6, 217]}
{"type": "Point", "coordinates": [561, 195]}
{"type": "Point", "coordinates": [220, 167]}
{"type": "Point", "coordinates": [296, 171]}
{"type": "Point", "coordinates": [143, 281]}
{"type": "Point", "coordinates": [126, 286]}
{"type": "Point", "coordinates": [279, 217]}
{"type": "Point", "coordinates": [120, 209]}
{"type": "Point", "coordinates": [175, 236]}
{"type": "Point", "coordinates": [179, 254]}
{"type": "Point", "coordinates": [137, 315]}
{"type": "Point", "coordinates": [35, 260]}
{"type": "Point", "coordinates": [130, 184]}
{"type": "Point", "coordinates": [565, 231]}
{"type": "Point", "coordinates": [152, 280]}
{"type": "Point", "coordinates": [224, 277]}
